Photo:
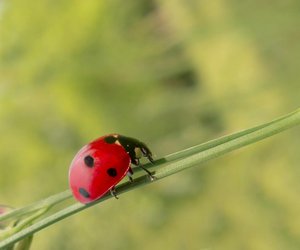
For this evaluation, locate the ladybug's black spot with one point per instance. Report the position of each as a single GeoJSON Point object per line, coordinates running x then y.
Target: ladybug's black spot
{"type": "Point", "coordinates": [84, 193]}
{"type": "Point", "coordinates": [89, 161]}
{"type": "Point", "coordinates": [110, 139]}
{"type": "Point", "coordinates": [112, 172]}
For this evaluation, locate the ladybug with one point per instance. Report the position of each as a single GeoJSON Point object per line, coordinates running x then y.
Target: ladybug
{"type": "Point", "coordinates": [101, 164]}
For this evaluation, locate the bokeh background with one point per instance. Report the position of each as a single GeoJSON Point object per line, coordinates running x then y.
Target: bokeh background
{"type": "Point", "coordinates": [173, 74]}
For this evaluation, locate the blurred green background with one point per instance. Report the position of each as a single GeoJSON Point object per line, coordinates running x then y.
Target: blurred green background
{"type": "Point", "coordinates": [173, 74]}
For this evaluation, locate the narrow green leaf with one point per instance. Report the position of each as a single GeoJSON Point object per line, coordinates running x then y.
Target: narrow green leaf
{"type": "Point", "coordinates": [163, 167]}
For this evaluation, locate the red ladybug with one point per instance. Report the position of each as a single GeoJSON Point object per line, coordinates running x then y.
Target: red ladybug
{"type": "Point", "coordinates": [103, 163]}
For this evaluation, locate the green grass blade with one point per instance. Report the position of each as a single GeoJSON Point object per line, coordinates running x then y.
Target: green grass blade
{"type": "Point", "coordinates": [170, 165]}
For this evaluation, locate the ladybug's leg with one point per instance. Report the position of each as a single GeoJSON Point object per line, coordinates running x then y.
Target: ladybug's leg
{"type": "Point", "coordinates": [148, 172]}
{"type": "Point", "coordinates": [129, 174]}
{"type": "Point", "coordinates": [137, 162]}
{"type": "Point", "coordinates": [147, 154]}
{"type": "Point", "coordinates": [113, 192]}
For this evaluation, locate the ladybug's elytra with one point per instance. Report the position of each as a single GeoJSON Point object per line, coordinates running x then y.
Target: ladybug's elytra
{"type": "Point", "coordinates": [103, 163]}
